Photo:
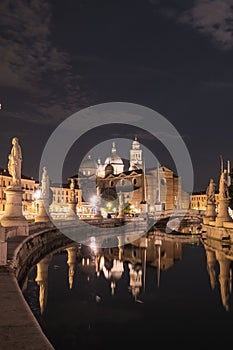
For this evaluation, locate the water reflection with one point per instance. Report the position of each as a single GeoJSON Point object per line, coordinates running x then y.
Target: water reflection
{"type": "Point", "coordinates": [133, 259]}
{"type": "Point", "coordinates": [219, 259]}
{"type": "Point", "coordinates": [173, 278]}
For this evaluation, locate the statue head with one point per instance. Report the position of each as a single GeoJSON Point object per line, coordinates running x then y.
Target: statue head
{"type": "Point", "coordinates": [15, 140]}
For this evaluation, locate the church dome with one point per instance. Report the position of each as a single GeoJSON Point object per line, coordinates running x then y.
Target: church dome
{"type": "Point", "coordinates": [88, 166]}
{"type": "Point", "coordinates": [115, 161]}
{"type": "Point", "coordinates": [113, 158]}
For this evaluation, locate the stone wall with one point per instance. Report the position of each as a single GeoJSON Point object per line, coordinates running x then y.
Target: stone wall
{"type": "Point", "coordinates": [36, 246]}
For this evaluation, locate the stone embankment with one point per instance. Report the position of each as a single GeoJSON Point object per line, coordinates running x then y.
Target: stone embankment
{"type": "Point", "coordinates": [19, 328]}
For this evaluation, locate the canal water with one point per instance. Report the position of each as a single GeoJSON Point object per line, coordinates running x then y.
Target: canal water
{"type": "Point", "coordinates": [165, 289]}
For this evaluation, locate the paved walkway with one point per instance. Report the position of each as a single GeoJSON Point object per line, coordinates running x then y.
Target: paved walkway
{"type": "Point", "coordinates": [19, 329]}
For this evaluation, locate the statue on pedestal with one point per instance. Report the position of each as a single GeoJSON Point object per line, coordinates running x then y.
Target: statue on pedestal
{"type": "Point", "coordinates": [13, 215]}
{"type": "Point", "coordinates": [223, 188]}
{"type": "Point", "coordinates": [210, 192]}
{"type": "Point", "coordinates": [15, 162]}
{"type": "Point", "coordinates": [44, 200]}
{"type": "Point", "coordinates": [45, 184]}
{"type": "Point", "coordinates": [72, 190]}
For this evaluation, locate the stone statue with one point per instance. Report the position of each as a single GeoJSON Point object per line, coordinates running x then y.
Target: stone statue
{"type": "Point", "coordinates": [72, 192]}
{"type": "Point", "coordinates": [72, 184]}
{"type": "Point", "coordinates": [45, 184]}
{"type": "Point", "coordinates": [210, 192]}
{"type": "Point", "coordinates": [15, 162]}
{"type": "Point", "coordinates": [223, 188]}
{"type": "Point", "coordinates": [121, 200]}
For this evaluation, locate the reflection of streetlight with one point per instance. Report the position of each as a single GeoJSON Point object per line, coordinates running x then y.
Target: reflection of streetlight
{"type": "Point", "coordinates": [37, 196]}
{"type": "Point", "coordinates": [93, 200]}
{"type": "Point", "coordinates": [93, 244]}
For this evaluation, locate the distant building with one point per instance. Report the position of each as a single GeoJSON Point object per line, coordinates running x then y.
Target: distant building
{"type": "Point", "coordinates": [143, 190]}
{"type": "Point", "coordinates": [150, 189]}
{"type": "Point", "coordinates": [61, 196]}
{"type": "Point", "coordinates": [29, 186]}
{"type": "Point", "coordinates": [198, 200]}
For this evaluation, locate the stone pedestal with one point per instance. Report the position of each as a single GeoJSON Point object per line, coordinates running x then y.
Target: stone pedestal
{"type": "Point", "coordinates": [98, 214]}
{"type": "Point", "coordinates": [72, 210]}
{"type": "Point", "coordinates": [43, 211]}
{"type": "Point", "coordinates": [13, 215]}
{"type": "Point", "coordinates": [3, 253]}
{"type": "Point", "coordinates": [210, 214]}
{"type": "Point", "coordinates": [223, 214]}
{"type": "Point", "coordinates": [121, 214]}
{"type": "Point", "coordinates": [2, 234]}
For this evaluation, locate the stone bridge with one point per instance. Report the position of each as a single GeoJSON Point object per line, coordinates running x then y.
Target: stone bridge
{"type": "Point", "coordinates": [177, 220]}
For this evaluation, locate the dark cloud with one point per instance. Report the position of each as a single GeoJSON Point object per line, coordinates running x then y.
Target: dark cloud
{"type": "Point", "coordinates": [33, 65]}
{"type": "Point", "coordinates": [213, 18]}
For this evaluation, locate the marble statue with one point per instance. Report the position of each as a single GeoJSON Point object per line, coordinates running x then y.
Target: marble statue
{"type": "Point", "coordinates": [121, 200]}
{"type": "Point", "coordinates": [15, 162]}
{"type": "Point", "coordinates": [223, 188]}
{"type": "Point", "coordinates": [45, 184]}
{"type": "Point", "coordinates": [210, 192]}
{"type": "Point", "coordinates": [72, 184]}
{"type": "Point", "coordinates": [72, 188]}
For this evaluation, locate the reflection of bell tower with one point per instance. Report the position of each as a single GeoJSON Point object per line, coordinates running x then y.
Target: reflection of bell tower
{"type": "Point", "coordinates": [135, 281]}
{"type": "Point", "coordinates": [71, 262]}
{"type": "Point", "coordinates": [42, 281]}
{"type": "Point", "coordinates": [224, 279]}
{"type": "Point", "coordinates": [210, 261]}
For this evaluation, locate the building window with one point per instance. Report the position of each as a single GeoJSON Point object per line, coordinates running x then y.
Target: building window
{"type": "Point", "coordinates": [163, 182]}
{"type": "Point", "coordinates": [134, 182]}
{"type": "Point", "coordinates": [122, 182]}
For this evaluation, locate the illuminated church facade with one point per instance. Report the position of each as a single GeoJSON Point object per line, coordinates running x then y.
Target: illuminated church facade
{"type": "Point", "coordinates": [143, 189]}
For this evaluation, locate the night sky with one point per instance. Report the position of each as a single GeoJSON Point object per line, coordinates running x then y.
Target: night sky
{"type": "Point", "coordinates": [173, 56]}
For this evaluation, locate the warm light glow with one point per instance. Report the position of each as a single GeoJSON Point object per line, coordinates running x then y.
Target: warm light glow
{"type": "Point", "coordinates": [93, 200]}
{"type": "Point", "coordinates": [93, 244]}
{"type": "Point", "coordinates": [37, 194]}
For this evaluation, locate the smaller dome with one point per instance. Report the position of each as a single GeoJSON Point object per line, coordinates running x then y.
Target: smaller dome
{"type": "Point", "coordinates": [88, 166]}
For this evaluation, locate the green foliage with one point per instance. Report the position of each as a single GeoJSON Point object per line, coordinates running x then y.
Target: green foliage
{"type": "Point", "coordinates": [127, 208]}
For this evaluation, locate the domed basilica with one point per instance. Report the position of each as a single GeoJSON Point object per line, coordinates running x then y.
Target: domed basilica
{"type": "Point", "coordinates": [151, 189]}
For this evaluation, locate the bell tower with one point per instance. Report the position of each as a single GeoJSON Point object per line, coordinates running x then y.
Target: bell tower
{"type": "Point", "coordinates": [136, 154]}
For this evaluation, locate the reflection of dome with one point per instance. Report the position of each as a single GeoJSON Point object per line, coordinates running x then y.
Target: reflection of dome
{"type": "Point", "coordinates": [115, 160]}
{"type": "Point", "coordinates": [88, 166]}
{"type": "Point", "coordinates": [117, 269]}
